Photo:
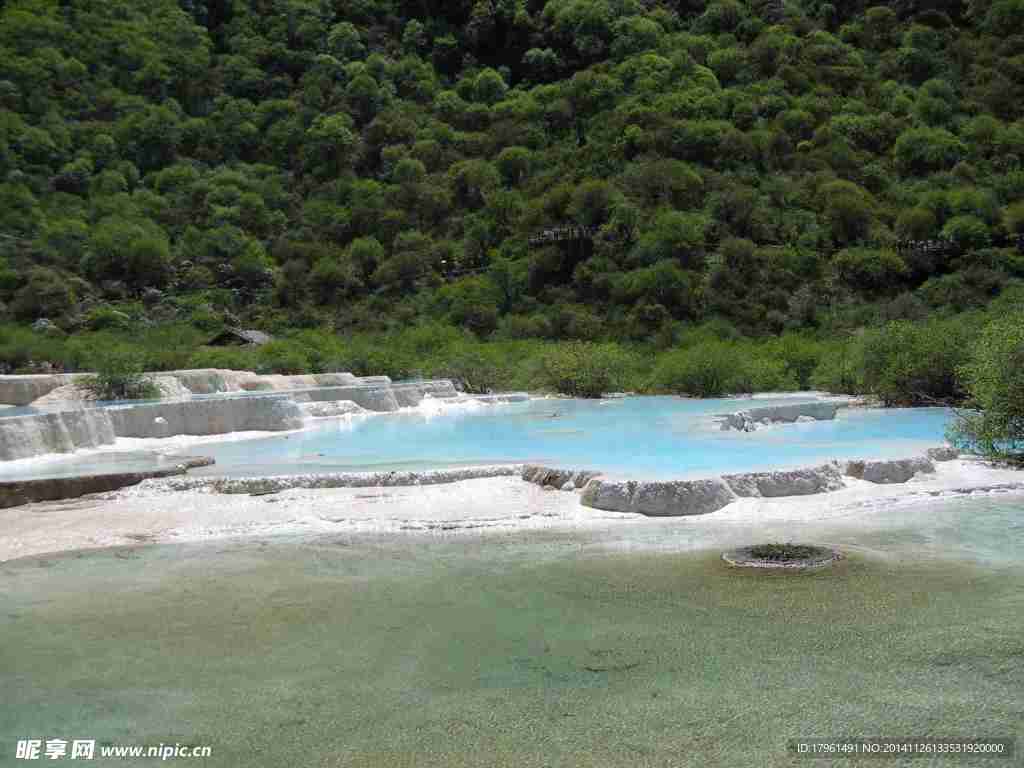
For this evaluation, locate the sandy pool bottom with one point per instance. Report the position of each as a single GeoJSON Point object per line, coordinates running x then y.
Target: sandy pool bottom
{"type": "Point", "coordinates": [522, 650]}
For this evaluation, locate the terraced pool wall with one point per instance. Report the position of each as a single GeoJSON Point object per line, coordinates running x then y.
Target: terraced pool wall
{"type": "Point", "coordinates": [228, 401]}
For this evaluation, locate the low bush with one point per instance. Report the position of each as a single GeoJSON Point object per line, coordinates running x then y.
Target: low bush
{"type": "Point", "coordinates": [120, 376]}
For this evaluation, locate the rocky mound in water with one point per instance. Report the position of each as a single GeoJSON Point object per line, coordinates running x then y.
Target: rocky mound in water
{"type": "Point", "coordinates": [786, 556]}
{"type": "Point", "coordinates": [753, 418]}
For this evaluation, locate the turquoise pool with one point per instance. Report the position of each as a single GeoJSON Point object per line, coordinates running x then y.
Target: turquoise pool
{"type": "Point", "coordinates": [648, 437]}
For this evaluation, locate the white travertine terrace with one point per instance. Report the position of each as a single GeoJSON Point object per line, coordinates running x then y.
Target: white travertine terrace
{"type": "Point", "coordinates": [27, 389]}
{"type": "Point", "coordinates": [247, 402]}
{"type": "Point", "coordinates": [681, 498]}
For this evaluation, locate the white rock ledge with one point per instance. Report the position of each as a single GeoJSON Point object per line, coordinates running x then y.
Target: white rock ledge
{"type": "Point", "coordinates": [681, 498]}
{"type": "Point", "coordinates": [796, 482]}
{"type": "Point", "coordinates": [671, 498]}
{"type": "Point", "coordinates": [261, 485]}
{"type": "Point", "coordinates": [888, 472]}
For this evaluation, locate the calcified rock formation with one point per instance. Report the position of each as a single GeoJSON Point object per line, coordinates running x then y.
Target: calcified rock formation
{"type": "Point", "coordinates": [261, 485]}
{"type": "Point", "coordinates": [74, 396]}
{"type": "Point", "coordinates": [59, 387]}
{"type": "Point", "coordinates": [658, 499]}
{"type": "Point", "coordinates": [22, 390]}
{"type": "Point", "coordinates": [681, 498]}
{"type": "Point", "coordinates": [331, 409]}
{"type": "Point", "coordinates": [272, 413]}
{"type": "Point", "coordinates": [18, 492]}
{"type": "Point", "coordinates": [796, 482]}
{"type": "Point", "coordinates": [24, 436]}
{"type": "Point", "coordinates": [562, 479]}
{"type": "Point", "coordinates": [751, 419]}
{"type": "Point", "coordinates": [66, 431]}
{"type": "Point", "coordinates": [888, 472]}
{"type": "Point", "coordinates": [943, 453]}
{"type": "Point", "coordinates": [283, 407]}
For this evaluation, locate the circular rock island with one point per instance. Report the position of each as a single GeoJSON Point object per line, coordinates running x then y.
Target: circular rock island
{"type": "Point", "coordinates": [788, 556]}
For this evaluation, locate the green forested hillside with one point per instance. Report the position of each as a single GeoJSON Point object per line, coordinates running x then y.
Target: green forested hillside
{"type": "Point", "coordinates": [360, 167]}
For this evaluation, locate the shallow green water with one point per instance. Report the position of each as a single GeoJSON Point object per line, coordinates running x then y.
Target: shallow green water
{"type": "Point", "coordinates": [526, 650]}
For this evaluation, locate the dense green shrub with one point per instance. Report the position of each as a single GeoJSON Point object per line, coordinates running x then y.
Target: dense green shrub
{"type": "Point", "coordinates": [584, 369]}
{"type": "Point", "coordinates": [20, 346]}
{"type": "Point", "coordinates": [283, 356]}
{"type": "Point", "coordinates": [993, 376]}
{"type": "Point", "coordinates": [841, 367]}
{"type": "Point", "coordinates": [708, 369]}
{"type": "Point", "coordinates": [471, 370]}
{"type": "Point", "coordinates": [799, 354]}
{"type": "Point", "coordinates": [46, 293]}
{"type": "Point", "coordinates": [913, 364]}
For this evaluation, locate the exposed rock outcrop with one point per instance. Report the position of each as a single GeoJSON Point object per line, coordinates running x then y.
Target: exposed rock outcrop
{"type": "Point", "coordinates": [889, 472]}
{"type": "Point", "coordinates": [749, 420]}
{"type": "Point", "coordinates": [796, 482]}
